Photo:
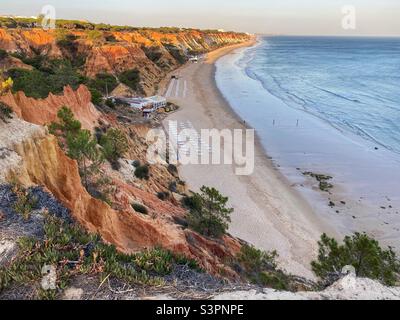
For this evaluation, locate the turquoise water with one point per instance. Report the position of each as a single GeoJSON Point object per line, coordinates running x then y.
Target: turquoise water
{"type": "Point", "coordinates": [352, 83]}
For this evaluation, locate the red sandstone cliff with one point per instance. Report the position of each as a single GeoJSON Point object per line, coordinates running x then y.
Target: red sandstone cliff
{"type": "Point", "coordinates": [35, 158]}
{"type": "Point", "coordinates": [145, 50]}
{"type": "Point", "coordinates": [44, 111]}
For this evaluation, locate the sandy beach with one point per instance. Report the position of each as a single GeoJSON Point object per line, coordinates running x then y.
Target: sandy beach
{"type": "Point", "coordinates": [269, 212]}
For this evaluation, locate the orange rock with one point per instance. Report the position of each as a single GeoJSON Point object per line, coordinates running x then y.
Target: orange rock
{"type": "Point", "coordinates": [44, 111]}
{"type": "Point", "coordinates": [42, 162]}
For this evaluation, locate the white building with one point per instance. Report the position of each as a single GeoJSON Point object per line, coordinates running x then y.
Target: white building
{"type": "Point", "coordinates": [147, 105]}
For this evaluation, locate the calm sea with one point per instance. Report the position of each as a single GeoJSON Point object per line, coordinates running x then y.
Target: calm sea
{"type": "Point", "coordinates": [352, 83]}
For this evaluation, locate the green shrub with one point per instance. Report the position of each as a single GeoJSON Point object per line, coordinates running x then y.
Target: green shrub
{"type": "Point", "coordinates": [136, 163]}
{"type": "Point", "coordinates": [172, 169]}
{"type": "Point", "coordinates": [25, 203]}
{"type": "Point", "coordinates": [173, 187]}
{"type": "Point", "coordinates": [209, 214]}
{"type": "Point", "coordinates": [110, 103]}
{"type": "Point", "coordinates": [260, 268]}
{"type": "Point", "coordinates": [110, 38]}
{"type": "Point", "coordinates": [143, 172]}
{"type": "Point", "coordinates": [79, 144]}
{"type": "Point", "coordinates": [73, 251]}
{"type": "Point", "coordinates": [163, 195]}
{"type": "Point", "coordinates": [115, 145]}
{"type": "Point", "coordinates": [359, 251]}
{"type": "Point", "coordinates": [38, 83]}
{"type": "Point", "coordinates": [131, 78]}
{"type": "Point", "coordinates": [5, 112]}
{"type": "Point", "coordinates": [104, 83]}
{"type": "Point", "coordinates": [140, 208]}
{"type": "Point", "coordinates": [95, 36]}
{"type": "Point", "coordinates": [3, 54]}
{"type": "Point", "coordinates": [97, 97]}
{"type": "Point", "coordinates": [177, 53]}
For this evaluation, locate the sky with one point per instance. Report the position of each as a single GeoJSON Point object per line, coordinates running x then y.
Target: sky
{"type": "Point", "coordinates": [295, 17]}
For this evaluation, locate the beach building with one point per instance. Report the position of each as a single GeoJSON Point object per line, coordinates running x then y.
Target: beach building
{"type": "Point", "coordinates": [147, 105]}
{"type": "Point", "coordinates": [194, 59]}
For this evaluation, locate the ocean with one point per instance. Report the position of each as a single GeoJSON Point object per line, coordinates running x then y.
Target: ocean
{"type": "Point", "coordinates": [352, 83]}
{"type": "Point", "coordinates": [329, 105]}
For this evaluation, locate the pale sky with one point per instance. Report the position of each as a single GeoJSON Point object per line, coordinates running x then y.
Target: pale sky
{"type": "Point", "coordinates": [306, 17]}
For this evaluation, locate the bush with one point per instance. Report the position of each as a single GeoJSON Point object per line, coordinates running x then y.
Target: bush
{"type": "Point", "coordinates": [177, 53]}
{"type": "Point", "coordinates": [97, 97]}
{"type": "Point", "coordinates": [3, 54]}
{"type": "Point", "coordinates": [73, 252]}
{"type": "Point", "coordinates": [115, 145]}
{"type": "Point", "coordinates": [79, 144]}
{"type": "Point", "coordinates": [131, 78]}
{"type": "Point", "coordinates": [140, 208]}
{"type": "Point", "coordinates": [110, 103]}
{"type": "Point", "coordinates": [104, 83]}
{"type": "Point", "coordinates": [25, 203]}
{"type": "Point", "coordinates": [38, 83]}
{"type": "Point", "coordinates": [110, 38]}
{"type": "Point", "coordinates": [163, 195]}
{"type": "Point", "coordinates": [143, 172]}
{"type": "Point", "coordinates": [161, 261]}
{"type": "Point", "coordinates": [172, 169]}
{"type": "Point", "coordinates": [209, 214]}
{"type": "Point", "coordinates": [173, 187]}
{"type": "Point", "coordinates": [5, 112]}
{"type": "Point", "coordinates": [95, 36]}
{"type": "Point", "coordinates": [136, 163]}
{"type": "Point", "coordinates": [360, 251]}
{"type": "Point", "coordinates": [260, 268]}
{"type": "Point", "coordinates": [193, 203]}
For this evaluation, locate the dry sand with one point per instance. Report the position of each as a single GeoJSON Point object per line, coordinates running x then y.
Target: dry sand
{"type": "Point", "coordinates": [269, 212]}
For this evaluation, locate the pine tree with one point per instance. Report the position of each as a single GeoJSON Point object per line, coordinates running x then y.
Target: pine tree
{"type": "Point", "coordinates": [359, 251]}
{"type": "Point", "coordinates": [210, 216]}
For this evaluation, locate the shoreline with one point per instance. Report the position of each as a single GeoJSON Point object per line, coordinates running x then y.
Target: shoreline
{"type": "Point", "coordinates": [364, 175]}
{"type": "Point", "coordinates": [269, 212]}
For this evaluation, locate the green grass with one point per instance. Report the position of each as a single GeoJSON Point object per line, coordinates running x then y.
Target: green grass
{"type": "Point", "coordinates": [5, 112]}
{"type": "Point", "coordinates": [73, 251]}
{"type": "Point", "coordinates": [25, 203]}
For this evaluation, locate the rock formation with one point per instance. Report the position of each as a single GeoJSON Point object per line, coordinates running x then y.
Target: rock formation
{"type": "Point", "coordinates": [348, 288]}
{"type": "Point", "coordinates": [33, 157]}
{"type": "Point", "coordinates": [150, 52]}
{"type": "Point", "coordinates": [44, 111]}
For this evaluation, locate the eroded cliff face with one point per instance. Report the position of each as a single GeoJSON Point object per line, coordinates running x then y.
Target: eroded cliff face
{"type": "Point", "coordinates": [154, 54]}
{"type": "Point", "coordinates": [44, 111]}
{"type": "Point", "coordinates": [33, 157]}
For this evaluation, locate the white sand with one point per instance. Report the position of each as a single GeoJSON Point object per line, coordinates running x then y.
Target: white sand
{"type": "Point", "coordinates": [269, 213]}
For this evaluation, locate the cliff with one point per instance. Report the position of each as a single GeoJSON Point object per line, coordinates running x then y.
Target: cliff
{"type": "Point", "coordinates": [153, 53]}
{"type": "Point", "coordinates": [33, 157]}
{"type": "Point", "coordinates": [44, 111]}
